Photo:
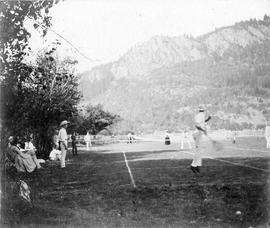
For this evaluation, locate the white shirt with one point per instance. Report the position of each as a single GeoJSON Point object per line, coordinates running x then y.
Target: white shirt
{"type": "Point", "coordinates": [87, 138]}
{"type": "Point", "coordinates": [200, 120]}
{"type": "Point", "coordinates": [29, 146]}
{"type": "Point", "coordinates": [267, 131]}
{"type": "Point", "coordinates": [55, 155]}
{"type": "Point", "coordinates": [63, 137]}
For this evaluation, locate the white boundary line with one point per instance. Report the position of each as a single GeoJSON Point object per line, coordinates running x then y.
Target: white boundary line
{"type": "Point", "coordinates": [129, 171]}
{"type": "Point", "coordinates": [232, 163]}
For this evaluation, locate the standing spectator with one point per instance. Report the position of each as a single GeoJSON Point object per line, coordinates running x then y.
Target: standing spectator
{"type": "Point", "coordinates": [87, 139]}
{"type": "Point", "coordinates": [234, 137]}
{"type": "Point", "coordinates": [185, 139]}
{"type": "Point", "coordinates": [56, 140]}
{"type": "Point", "coordinates": [267, 135]}
{"type": "Point", "coordinates": [63, 141]}
{"type": "Point", "coordinates": [167, 138]}
{"type": "Point", "coordinates": [129, 138]}
{"type": "Point", "coordinates": [113, 137]}
{"type": "Point", "coordinates": [200, 125]}
{"type": "Point", "coordinates": [73, 142]}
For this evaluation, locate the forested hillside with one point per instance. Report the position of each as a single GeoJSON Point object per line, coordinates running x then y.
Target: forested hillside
{"type": "Point", "coordinates": [159, 84]}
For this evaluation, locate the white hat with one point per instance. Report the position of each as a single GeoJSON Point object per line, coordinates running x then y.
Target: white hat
{"type": "Point", "coordinates": [64, 122]}
{"type": "Point", "coordinates": [11, 138]}
{"type": "Point", "coordinates": [201, 108]}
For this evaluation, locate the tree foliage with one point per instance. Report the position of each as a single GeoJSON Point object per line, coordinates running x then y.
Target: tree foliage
{"type": "Point", "coordinates": [36, 97]}
{"type": "Point", "coordinates": [50, 95]}
{"type": "Point", "coordinates": [95, 119]}
{"type": "Point", "coordinates": [33, 97]}
{"type": "Point", "coordinates": [13, 34]}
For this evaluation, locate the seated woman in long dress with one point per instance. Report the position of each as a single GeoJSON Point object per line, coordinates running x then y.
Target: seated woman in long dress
{"type": "Point", "coordinates": [28, 145]}
{"type": "Point", "coordinates": [25, 161]}
{"type": "Point", "coordinates": [31, 149]}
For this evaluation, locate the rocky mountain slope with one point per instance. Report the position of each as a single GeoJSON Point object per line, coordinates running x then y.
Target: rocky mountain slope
{"type": "Point", "coordinates": [158, 84]}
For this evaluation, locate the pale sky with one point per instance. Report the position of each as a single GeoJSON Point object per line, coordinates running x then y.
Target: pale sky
{"type": "Point", "coordinates": [106, 29]}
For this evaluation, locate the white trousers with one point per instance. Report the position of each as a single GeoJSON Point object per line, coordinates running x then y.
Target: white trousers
{"type": "Point", "coordinates": [88, 145]}
{"type": "Point", "coordinates": [183, 141]}
{"type": "Point", "coordinates": [197, 158]}
{"type": "Point", "coordinates": [267, 142]}
{"type": "Point", "coordinates": [63, 155]}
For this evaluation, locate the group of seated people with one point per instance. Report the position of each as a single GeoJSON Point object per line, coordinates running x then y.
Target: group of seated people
{"type": "Point", "coordinates": [23, 154]}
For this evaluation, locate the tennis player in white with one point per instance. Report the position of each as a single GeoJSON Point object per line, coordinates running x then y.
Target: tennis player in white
{"type": "Point", "coordinates": [267, 135]}
{"type": "Point", "coordinates": [200, 125]}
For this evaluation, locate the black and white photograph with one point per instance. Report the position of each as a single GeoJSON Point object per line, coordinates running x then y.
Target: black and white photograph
{"type": "Point", "coordinates": [135, 113]}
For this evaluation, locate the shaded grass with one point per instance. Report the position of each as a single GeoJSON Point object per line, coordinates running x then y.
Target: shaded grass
{"type": "Point", "coordinates": [94, 191]}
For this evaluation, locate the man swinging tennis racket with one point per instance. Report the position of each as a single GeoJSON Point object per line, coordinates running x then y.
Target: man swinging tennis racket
{"type": "Point", "coordinates": [200, 125]}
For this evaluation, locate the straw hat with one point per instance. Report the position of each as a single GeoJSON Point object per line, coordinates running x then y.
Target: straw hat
{"type": "Point", "coordinates": [64, 122]}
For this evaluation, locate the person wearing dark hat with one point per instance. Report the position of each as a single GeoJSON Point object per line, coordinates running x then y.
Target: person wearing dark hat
{"type": "Point", "coordinates": [63, 142]}
{"type": "Point", "coordinates": [200, 125]}
{"type": "Point", "coordinates": [167, 138]}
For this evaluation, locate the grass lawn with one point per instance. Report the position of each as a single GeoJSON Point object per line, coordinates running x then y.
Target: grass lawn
{"type": "Point", "coordinates": [95, 191]}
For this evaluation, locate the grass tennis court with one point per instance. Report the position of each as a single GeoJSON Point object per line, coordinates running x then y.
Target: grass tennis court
{"type": "Point", "coordinates": [95, 190]}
